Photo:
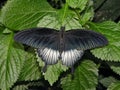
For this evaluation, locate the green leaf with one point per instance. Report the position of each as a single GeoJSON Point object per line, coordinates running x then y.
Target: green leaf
{"type": "Point", "coordinates": [11, 61]}
{"type": "Point", "coordinates": [115, 66]}
{"type": "Point", "coordinates": [88, 13]}
{"type": "Point", "coordinates": [26, 86]}
{"type": "Point", "coordinates": [85, 77]}
{"type": "Point", "coordinates": [81, 4]}
{"type": "Point", "coordinates": [114, 86]}
{"type": "Point", "coordinates": [2, 28]}
{"type": "Point", "coordinates": [30, 70]}
{"type": "Point", "coordinates": [111, 31]}
{"type": "Point", "coordinates": [107, 81]}
{"type": "Point", "coordinates": [21, 87]}
{"type": "Point", "coordinates": [20, 14]}
{"type": "Point", "coordinates": [52, 22]}
{"type": "Point", "coordinates": [26, 14]}
{"type": "Point", "coordinates": [53, 71]}
{"type": "Point", "coordinates": [62, 17]}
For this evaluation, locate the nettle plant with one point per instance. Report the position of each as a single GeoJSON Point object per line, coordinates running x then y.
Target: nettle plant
{"type": "Point", "coordinates": [20, 66]}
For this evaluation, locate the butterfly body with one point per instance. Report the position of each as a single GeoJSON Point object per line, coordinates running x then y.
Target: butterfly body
{"type": "Point", "coordinates": [61, 40]}
{"type": "Point", "coordinates": [53, 45]}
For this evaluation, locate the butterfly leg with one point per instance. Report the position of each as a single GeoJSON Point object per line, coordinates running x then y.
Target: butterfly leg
{"type": "Point", "coordinates": [72, 72]}
{"type": "Point", "coordinates": [44, 69]}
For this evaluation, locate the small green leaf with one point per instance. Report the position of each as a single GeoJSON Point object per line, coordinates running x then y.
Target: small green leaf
{"type": "Point", "coordinates": [115, 67]}
{"type": "Point", "coordinates": [53, 71]}
{"type": "Point", "coordinates": [111, 31]}
{"type": "Point", "coordinates": [81, 4]}
{"type": "Point", "coordinates": [30, 70]}
{"type": "Point", "coordinates": [114, 86]}
{"type": "Point", "coordinates": [88, 14]}
{"type": "Point", "coordinates": [107, 81]}
{"type": "Point", "coordinates": [21, 87]}
{"type": "Point", "coordinates": [20, 14]}
{"type": "Point", "coordinates": [11, 61]}
{"type": "Point", "coordinates": [2, 28]}
{"type": "Point", "coordinates": [85, 77]}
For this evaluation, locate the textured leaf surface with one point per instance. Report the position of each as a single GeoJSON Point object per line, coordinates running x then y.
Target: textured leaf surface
{"type": "Point", "coordinates": [77, 3]}
{"type": "Point", "coordinates": [30, 70]}
{"type": "Point", "coordinates": [111, 30]}
{"type": "Point", "coordinates": [85, 77]}
{"type": "Point", "coordinates": [114, 86]}
{"type": "Point", "coordinates": [20, 14]}
{"type": "Point", "coordinates": [11, 61]}
{"type": "Point", "coordinates": [53, 71]}
{"type": "Point", "coordinates": [64, 16]}
{"type": "Point", "coordinates": [60, 18]}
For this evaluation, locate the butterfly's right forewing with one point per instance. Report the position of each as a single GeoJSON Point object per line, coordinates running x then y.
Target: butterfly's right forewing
{"type": "Point", "coordinates": [85, 39]}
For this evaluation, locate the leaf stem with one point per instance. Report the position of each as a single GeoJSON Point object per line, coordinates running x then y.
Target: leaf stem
{"type": "Point", "coordinates": [78, 14]}
{"type": "Point", "coordinates": [64, 13]}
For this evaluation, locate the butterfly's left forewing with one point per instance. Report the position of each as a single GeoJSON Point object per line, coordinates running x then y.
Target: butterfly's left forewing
{"type": "Point", "coordinates": [45, 40]}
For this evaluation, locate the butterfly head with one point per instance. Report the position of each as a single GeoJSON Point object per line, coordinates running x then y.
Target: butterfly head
{"type": "Point", "coordinates": [62, 28]}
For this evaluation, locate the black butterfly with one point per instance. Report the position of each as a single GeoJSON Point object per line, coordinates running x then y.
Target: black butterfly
{"type": "Point", "coordinates": [53, 45]}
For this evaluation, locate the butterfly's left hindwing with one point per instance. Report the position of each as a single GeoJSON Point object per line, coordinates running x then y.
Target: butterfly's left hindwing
{"type": "Point", "coordinates": [49, 53]}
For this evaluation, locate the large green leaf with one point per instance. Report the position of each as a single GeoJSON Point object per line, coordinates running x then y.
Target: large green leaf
{"type": "Point", "coordinates": [52, 22]}
{"type": "Point", "coordinates": [85, 77]}
{"type": "Point", "coordinates": [30, 70]}
{"type": "Point", "coordinates": [53, 71]}
{"type": "Point", "coordinates": [62, 17]}
{"type": "Point", "coordinates": [27, 13]}
{"type": "Point", "coordinates": [111, 30]}
{"type": "Point", "coordinates": [11, 61]}
{"type": "Point", "coordinates": [20, 14]}
{"type": "Point", "coordinates": [114, 86]}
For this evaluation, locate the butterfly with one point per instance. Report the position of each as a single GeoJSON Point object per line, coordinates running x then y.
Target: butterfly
{"type": "Point", "coordinates": [53, 45]}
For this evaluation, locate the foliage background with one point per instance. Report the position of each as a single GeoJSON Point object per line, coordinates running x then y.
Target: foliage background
{"type": "Point", "coordinates": [20, 67]}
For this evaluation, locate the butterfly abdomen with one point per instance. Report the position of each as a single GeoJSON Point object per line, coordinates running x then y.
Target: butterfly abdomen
{"type": "Point", "coordinates": [61, 41]}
